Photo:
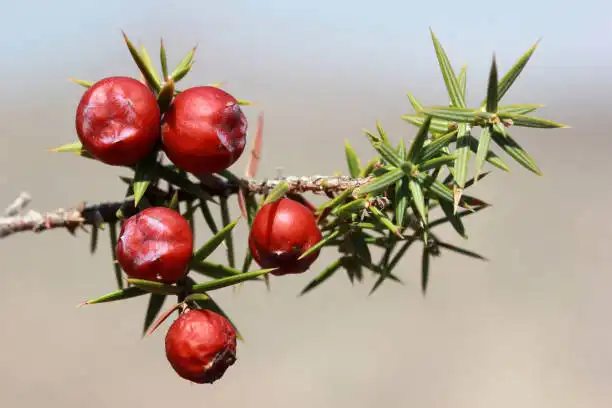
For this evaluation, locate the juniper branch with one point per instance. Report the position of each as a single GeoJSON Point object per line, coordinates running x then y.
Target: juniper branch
{"type": "Point", "coordinates": [95, 214]}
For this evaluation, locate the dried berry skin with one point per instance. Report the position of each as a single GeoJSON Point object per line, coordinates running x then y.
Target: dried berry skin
{"type": "Point", "coordinates": [201, 346]}
{"type": "Point", "coordinates": [281, 232]}
{"type": "Point", "coordinates": [204, 130]}
{"type": "Point", "coordinates": [156, 244]}
{"type": "Point", "coordinates": [118, 121]}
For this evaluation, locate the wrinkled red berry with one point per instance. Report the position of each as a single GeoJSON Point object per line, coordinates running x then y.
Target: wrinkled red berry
{"type": "Point", "coordinates": [204, 130]}
{"type": "Point", "coordinates": [156, 244]}
{"type": "Point", "coordinates": [281, 232]}
{"type": "Point", "coordinates": [201, 346]}
{"type": "Point", "coordinates": [118, 121]}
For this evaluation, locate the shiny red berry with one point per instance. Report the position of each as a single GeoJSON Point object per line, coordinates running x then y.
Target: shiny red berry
{"type": "Point", "coordinates": [118, 121]}
{"type": "Point", "coordinates": [204, 130]}
{"type": "Point", "coordinates": [281, 232]}
{"type": "Point", "coordinates": [201, 346]}
{"type": "Point", "coordinates": [156, 244]}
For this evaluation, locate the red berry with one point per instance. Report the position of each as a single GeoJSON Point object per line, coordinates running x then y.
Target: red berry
{"type": "Point", "coordinates": [156, 244]}
{"type": "Point", "coordinates": [281, 232]}
{"type": "Point", "coordinates": [118, 121]}
{"type": "Point", "coordinates": [204, 130]}
{"type": "Point", "coordinates": [201, 346]}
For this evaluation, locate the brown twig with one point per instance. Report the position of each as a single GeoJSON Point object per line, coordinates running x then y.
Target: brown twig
{"type": "Point", "coordinates": [106, 212]}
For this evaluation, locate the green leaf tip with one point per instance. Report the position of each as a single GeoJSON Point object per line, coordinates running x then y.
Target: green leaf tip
{"type": "Point", "coordinates": [492, 88]}
{"type": "Point", "coordinates": [84, 84]}
{"type": "Point", "coordinates": [68, 148]}
{"type": "Point", "coordinates": [212, 244]}
{"type": "Point", "coordinates": [277, 193]}
{"type": "Point", "coordinates": [448, 74]}
{"type": "Point", "coordinates": [142, 64]}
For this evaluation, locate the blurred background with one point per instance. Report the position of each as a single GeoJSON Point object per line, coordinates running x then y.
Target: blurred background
{"type": "Point", "coordinates": [529, 328]}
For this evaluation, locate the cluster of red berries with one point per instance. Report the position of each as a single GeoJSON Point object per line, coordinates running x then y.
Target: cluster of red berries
{"type": "Point", "coordinates": [119, 122]}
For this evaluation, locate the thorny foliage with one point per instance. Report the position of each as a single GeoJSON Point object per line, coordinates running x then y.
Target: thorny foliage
{"type": "Point", "coordinates": [393, 201]}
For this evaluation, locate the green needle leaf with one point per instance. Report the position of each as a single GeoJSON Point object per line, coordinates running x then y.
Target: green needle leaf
{"type": "Point", "coordinates": [209, 247]}
{"type": "Point", "coordinates": [336, 201]}
{"type": "Point", "coordinates": [196, 296]}
{"type": "Point", "coordinates": [437, 126]}
{"type": "Point", "coordinates": [530, 121]}
{"type": "Point", "coordinates": [483, 149]}
{"type": "Point", "coordinates": [402, 197]}
{"type": "Point", "coordinates": [462, 152]}
{"type": "Point", "coordinates": [248, 260]}
{"type": "Point", "coordinates": [112, 230]}
{"type": "Point", "coordinates": [384, 149]}
{"type": "Point", "coordinates": [323, 276]}
{"type": "Point", "coordinates": [434, 186]}
{"type": "Point", "coordinates": [401, 149]}
{"type": "Point", "coordinates": [380, 183]}
{"type": "Point", "coordinates": [514, 150]}
{"type": "Point", "coordinates": [229, 239]}
{"type": "Point", "coordinates": [229, 281]}
{"type": "Point", "coordinates": [184, 65]}
{"type": "Point", "coordinates": [122, 294]}
{"type": "Point", "coordinates": [155, 287]}
{"type": "Point", "coordinates": [166, 93]}
{"type": "Point", "coordinates": [417, 144]}
{"type": "Point", "coordinates": [320, 244]}
{"type": "Point", "coordinates": [416, 105]}
{"type": "Point", "coordinates": [244, 102]}
{"type": "Point", "coordinates": [519, 109]}
{"type": "Point", "coordinates": [382, 134]}
{"type": "Point", "coordinates": [68, 148]}
{"type": "Point", "coordinates": [174, 202]}
{"type": "Point", "coordinates": [369, 167]}
{"type": "Point", "coordinates": [506, 82]}
{"type": "Point", "coordinates": [381, 218]}
{"type": "Point", "coordinates": [431, 150]}
{"type": "Point", "coordinates": [492, 88]}
{"type": "Point", "coordinates": [450, 79]}
{"type": "Point", "coordinates": [208, 217]}
{"type": "Point", "coordinates": [353, 207]}
{"type": "Point", "coordinates": [277, 193]}
{"type": "Point", "coordinates": [183, 72]}
{"type": "Point", "coordinates": [172, 177]}
{"type": "Point", "coordinates": [461, 115]}
{"type": "Point", "coordinates": [438, 162]}
{"type": "Point", "coordinates": [163, 59]}
{"type": "Point", "coordinates": [156, 302]}
{"type": "Point", "coordinates": [84, 84]}
{"type": "Point", "coordinates": [213, 270]}
{"type": "Point", "coordinates": [352, 160]}
{"type": "Point", "coordinates": [462, 80]}
{"type": "Point", "coordinates": [149, 64]}
{"type": "Point", "coordinates": [143, 176]}
{"type": "Point", "coordinates": [142, 65]}
{"type": "Point", "coordinates": [492, 158]}
{"type": "Point", "coordinates": [417, 198]}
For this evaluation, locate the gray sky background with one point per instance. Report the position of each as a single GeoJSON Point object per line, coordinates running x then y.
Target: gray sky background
{"type": "Point", "coordinates": [528, 329]}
